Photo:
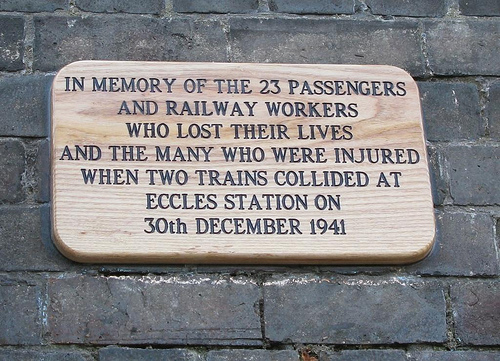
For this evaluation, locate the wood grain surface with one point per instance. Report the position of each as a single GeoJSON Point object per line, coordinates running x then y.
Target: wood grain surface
{"type": "Point", "coordinates": [263, 207]}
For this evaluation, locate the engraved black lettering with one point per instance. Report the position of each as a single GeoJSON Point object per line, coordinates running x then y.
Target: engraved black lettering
{"type": "Point", "coordinates": [110, 176]}
{"type": "Point", "coordinates": [85, 152]}
{"type": "Point", "coordinates": [261, 226]}
{"type": "Point", "coordinates": [75, 83]}
{"type": "Point", "coordinates": [167, 177]}
{"type": "Point", "coordinates": [321, 179]}
{"type": "Point", "coordinates": [163, 225]}
{"type": "Point", "coordinates": [169, 82]}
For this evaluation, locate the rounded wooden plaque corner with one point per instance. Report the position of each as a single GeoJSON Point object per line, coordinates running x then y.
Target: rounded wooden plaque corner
{"type": "Point", "coordinates": [418, 255]}
{"type": "Point", "coordinates": [68, 251]}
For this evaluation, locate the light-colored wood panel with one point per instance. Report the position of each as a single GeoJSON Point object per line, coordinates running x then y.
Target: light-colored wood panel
{"type": "Point", "coordinates": [355, 191]}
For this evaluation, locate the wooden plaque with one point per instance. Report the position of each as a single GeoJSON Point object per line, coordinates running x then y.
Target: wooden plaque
{"type": "Point", "coordinates": [159, 162]}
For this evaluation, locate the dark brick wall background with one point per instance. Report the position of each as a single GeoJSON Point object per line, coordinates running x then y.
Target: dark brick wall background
{"type": "Point", "coordinates": [446, 307]}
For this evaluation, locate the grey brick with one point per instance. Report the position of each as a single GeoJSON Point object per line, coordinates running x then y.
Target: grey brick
{"type": "Point", "coordinates": [451, 111]}
{"type": "Point", "coordinates": [465, 246]}
{"type": "Point", "coordinates": [11, 43]}
{"type": "Point", "coordinates": [476, 308]}
{"type": "Point", "coordinates": [122, 6]}
{"type": "Point", "coordinates": [41, 183]}
{"type": "Point", "coordinates": [25, 100]}
{"type": "Point", "coordinates": [439, 186]}
{"type": "Point", "coordinates": [216, 6]}
{"type": "Point", "coordinates": [327, 41]}
{"type": "Point", "coordinates": [312, 6]}
{"type": "Point", "coordinates": [154, 310]}
{"type": "Point", "coordinates": [31, 6]}
{"type": "Point", "coordinates": [45, 355]}
{"type": "Point", "coordinates": [25, 243]}
{"type": "Point", "coordinates": [61, 40]}
{"type": "Point", "coordinates": [134, 354]}
{"type": "Point", "coordinates": [456, 356]}
{"type": "Point", "coordinates": [474, 171]}
{"type": "Point", "coordinates": [493, 111]}
{"type": "Point", "coordinates": [252, 355]}
{"type": "Point", "coordinates": [20, 314]}
{"type": "Point", "coordinates": [12, 166]}
{"type": "Point", "coordinates": [429, 8]}
{"type": "Point", "coordinates": [363, 355]}
{"type": "Point", "coordinates": [354, 311]}
{"type": "Point", "coordinates": [480, 7]}
{"type": "Point", "coordinates": [460, 47]}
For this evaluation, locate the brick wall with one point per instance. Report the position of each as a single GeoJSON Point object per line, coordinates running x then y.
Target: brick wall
{"type": "Point", "coordinates": [446, 307]}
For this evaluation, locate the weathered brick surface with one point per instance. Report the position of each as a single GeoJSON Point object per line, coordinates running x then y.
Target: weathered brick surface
{"type": "Point", "coordinates": [122, 6]}
{"type": "Point", "coordinates": [312, 6]}
{"type": "Point", "coordinates": [154, 310]}
{"type": "Point", "coordinates": [382, 313]}
{"type": "Point", "coordinates": [474, 171]}
{"type": "Point", "coordinates": [215, 6]}
{"type": "Point", "coordinates": [44, 355]}
{"type": "Point", "coordinates": [461, 47]}
{"type": "Point", "coordinates": [20, 314]}
{"type": "Point", "coordinates": [12, 166]}
{"type": "Point", "coordinates": [363, 355]}
{"type": "Point", "coordinates": [33, 5]}
{"type": "Point", "coordinates": [327, 41]}
{"type": "Point", "coordinates": [456, 356]}
{"type": "Point", "coordinates": [61, 40]}
{"type": "Point", "coordinates": [25, 242]}
{"type": "Point", "coordinates": [136, 354]}
{"type": "Point", "coordinates": [354, 311]}
{"type": "Point", "coordinates": [450, 110]}
{"type": "Point", "coordinates": [493, 111]}
{"type": "Point", "coordinates": [25, 104]}
{"type": "Point", "coordinates": [41, 181]}
{"type": "Point", "coordinates": [476, 308]}
{"type": "Point", "coordinates": [465, 246]}
{"type": "Point", "coordinates": [252, 355]}
{"type": "Point", "coordinates": [11, 43]}
{"type": "Point", "coordinates": [429, 8]}
{"type": "Point", "coordinates": [480, 8]}
{"type": "Point", "coordinates": [439, 186]}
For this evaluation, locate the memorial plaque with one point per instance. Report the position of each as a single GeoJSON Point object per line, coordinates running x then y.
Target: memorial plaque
{"type": "Point", "coordinates": [239, 163]}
